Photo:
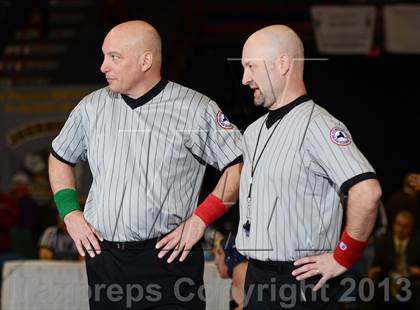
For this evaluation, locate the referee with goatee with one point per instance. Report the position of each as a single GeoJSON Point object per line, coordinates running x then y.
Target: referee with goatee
{"type": "Point", "coordinates": [299, 162]}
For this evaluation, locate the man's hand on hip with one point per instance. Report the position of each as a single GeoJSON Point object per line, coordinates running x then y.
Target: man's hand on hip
{"type": "Point", "coordinates": [182, 239]}
{"type": "Point", "coordinates": [83, 234]}
{"type": "Point", "coordinates": [323, 264]}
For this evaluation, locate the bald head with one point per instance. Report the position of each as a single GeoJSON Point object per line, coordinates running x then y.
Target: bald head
{"type": "Point", "coordinates": [274, 40]}
{"type": "Point", "coordinates": [132, 58]}
{"type": "Point", "coordinates": [139, 35]}
{"type": "Point", "coordinates": [273, 66]}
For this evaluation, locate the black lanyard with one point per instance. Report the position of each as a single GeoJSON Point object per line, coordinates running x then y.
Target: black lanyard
{"type": "Point", "coordinates": [253, 168]}
{"type": "Point", "coordinates": [247, 225]}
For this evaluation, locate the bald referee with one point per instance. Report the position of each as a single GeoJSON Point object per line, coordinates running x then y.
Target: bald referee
{"type": "Point", "coordinates": [298, 163]}
{"type": "Point", "coordinates": [147, 141]}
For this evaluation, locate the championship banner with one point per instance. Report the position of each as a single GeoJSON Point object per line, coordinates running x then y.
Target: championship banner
{"type": "Point", "coordinates": [30, 118]}
{"type": "Point", "coordinates": [344, 29]}
{"type": "Point", "coordinates": [402, 29]}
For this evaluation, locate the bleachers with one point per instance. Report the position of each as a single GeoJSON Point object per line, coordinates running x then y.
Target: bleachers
{"type": "Point", "coordinates": [35, 46]}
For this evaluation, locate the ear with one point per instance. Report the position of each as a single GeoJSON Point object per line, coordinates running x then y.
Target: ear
{"type": "Point", "coordinates": [284, 63]}
{"type": "Point", "coordinates": [146, 60]}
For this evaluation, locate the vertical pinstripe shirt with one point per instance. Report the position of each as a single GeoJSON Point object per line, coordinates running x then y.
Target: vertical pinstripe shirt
{"type": "Point", "coordinates": [147, 156]}
{"type": "Point", "coordinates": [310, 160]}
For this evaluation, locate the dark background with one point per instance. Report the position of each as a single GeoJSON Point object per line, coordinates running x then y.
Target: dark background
{"type": "Point", "coordinates": [376, 96]}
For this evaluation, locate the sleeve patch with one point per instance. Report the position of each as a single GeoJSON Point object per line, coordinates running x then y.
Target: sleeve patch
{"type": "Point", "coordinates": [340, 136]}
{"type": "Point", "coordinates": [222, 121]}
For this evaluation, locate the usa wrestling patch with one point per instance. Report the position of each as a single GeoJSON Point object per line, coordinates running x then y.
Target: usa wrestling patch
{"type": "Point", "coordinates": [223, 121]}
{"type": "Point", "coordinates": [340, 136]}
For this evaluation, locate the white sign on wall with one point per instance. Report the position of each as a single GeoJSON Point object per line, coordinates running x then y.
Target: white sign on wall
{"type": "Point", "coordinates": [402, 28]}
{"type": "Point", "coordinates": [344, 29]}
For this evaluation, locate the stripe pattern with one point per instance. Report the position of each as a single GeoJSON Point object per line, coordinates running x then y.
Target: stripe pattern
{"type": "Point", "coordinates": [295, 200]}
{"type": "Point", "coordinates": [148, 162]}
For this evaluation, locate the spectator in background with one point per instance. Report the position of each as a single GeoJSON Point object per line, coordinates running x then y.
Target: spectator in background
{"type": "Point", "coordinates": [45, 217]}
{"type": "Point", "coordinates": [231, 264]}
{"type": "Point", "coordinates": [398, 256]}
{"type": "Point", "coordinates": [27, 205]}
{"type": "Point", "coordinates": [403, 199]}
{"type": "Point", "coordinates": [9, 216]}
{"type": "Point", "coordinates": [56, 244]}
{"type": "Point", "coordinates": [414, 181]}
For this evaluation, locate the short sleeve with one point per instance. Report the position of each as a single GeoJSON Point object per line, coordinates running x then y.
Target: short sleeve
{"type": "Point", "coordinates": [214, 139]}
{"type": "Point", "coordinates": [334, 153]}
{"type": "Point", "coordinates": [70, 146]}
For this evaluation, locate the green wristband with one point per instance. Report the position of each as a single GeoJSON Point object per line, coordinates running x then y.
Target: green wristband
{"type": "Point", "coordinates": [67, 201]}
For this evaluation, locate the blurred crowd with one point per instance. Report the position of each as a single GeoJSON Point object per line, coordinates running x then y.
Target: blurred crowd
{"type": "Point", "coordinates": [30, 230]}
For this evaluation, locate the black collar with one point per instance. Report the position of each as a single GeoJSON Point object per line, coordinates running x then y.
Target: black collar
{"type": "Point", "coordinates": [277, 114]}
{"type": "Point", "coordinates": [135, 103]}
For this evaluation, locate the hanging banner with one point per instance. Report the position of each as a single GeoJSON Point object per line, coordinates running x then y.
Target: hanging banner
{"type": "Point", "coordinates": [402, 29]}
{"type": "Point", "coordinates": [29, 119]}
{"type": "Point", "coordinates": [344, 29]}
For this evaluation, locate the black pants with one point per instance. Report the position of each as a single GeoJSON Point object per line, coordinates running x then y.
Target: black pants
{"type": "Point", "coordinates": [270, 285]}
{"type": "Point", "coordinates": [129, 275]}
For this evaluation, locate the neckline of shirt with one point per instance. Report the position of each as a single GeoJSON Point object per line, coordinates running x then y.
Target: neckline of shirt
{"type": "Point", "coordinates": [277, 114]}
{"type": "Point", "coordinates": [134, 103]}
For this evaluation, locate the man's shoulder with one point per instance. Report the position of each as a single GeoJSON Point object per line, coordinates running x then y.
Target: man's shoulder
{"type": "Point", "coordinates": [320, 113]}
{"type": "Point", "coordinates": [95, 99]}
{"type": "Point", "coordinates": [185, 94]}
{"type": "Point", "coordinates": [255, 126]}
{"type": "Point", "coordinates": [100, 94]}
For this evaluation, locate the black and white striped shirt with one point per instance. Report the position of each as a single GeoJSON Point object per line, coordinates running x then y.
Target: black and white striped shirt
{"type": "Point", "coordinates": [295, 208]}
{"type": "Point", "coordinates": [147, 156]}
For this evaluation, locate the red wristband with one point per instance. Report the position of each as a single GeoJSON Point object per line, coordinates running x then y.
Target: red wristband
{"type": "Point", "coordinates": [211, 209]}
{"type": "Point", "coordinates": [349, 250]}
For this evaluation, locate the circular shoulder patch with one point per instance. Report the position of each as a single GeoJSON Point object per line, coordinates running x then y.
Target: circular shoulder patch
{"type": "Point", "coordinates": [340, 136]}
{"type": "Point", "coordinates": [222, 121]}
{"type": "Point", "coordinates": [342, 246]}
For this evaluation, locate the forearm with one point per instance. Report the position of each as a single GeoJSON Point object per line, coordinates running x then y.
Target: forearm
{"type": "Point", "coordinates": [61, 175]}
{"type": "Point", "coordinates": [362, 209]}
{"type": "Point", "coordinates": [238, 283]}
{"type": "Point", "coordinates": [227, 189]}
{"type": "Point", "coordinates": [224, 195]}
{"type": "Point", "coordinates": [63, 185]}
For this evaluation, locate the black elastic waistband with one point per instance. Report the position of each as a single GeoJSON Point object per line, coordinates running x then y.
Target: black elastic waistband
{"type": "Point", "coordinates": [129, 245]}
{"type": "Point", "coordinates": [279, 266]}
